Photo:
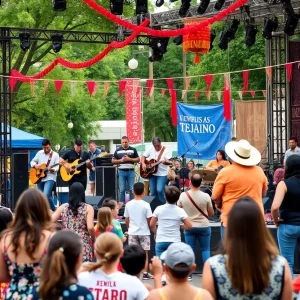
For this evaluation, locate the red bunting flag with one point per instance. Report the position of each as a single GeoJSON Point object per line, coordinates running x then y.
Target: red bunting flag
{"type": "Point", "coordinates": [106, 88]}
{"type": "Point", "coordinates": [12, 83]}
{"type": "Point", "coordinates": [163, 91]}
{"type": "Point", "coordinates": [92, 87]}
{"type": "Point", "coordinates": [149, 85]}
{"type": "Point", "coordinates": [187, 83]}
{"type": "Point", "coordinates": [58, 85]}
{"type": "Point", "coordinates": [197, 94]}
{"type": "Point", "coordinates": [227, 97]}
{"type": "Point", "coordinates": [269, 74]}
{"type": "Point", "coordinates": [46, 82]}
{"type": "Point", "coordinates": [174, 108]}
{"type": "Point", "coordinates": [264, 93]}
{"type": "Point", "coordinates": [122, 85]}
{"type": "Point", "coordinates": [170, 82]}
{"type": "Point", "coordinates": [252, 93]}
{"type": "Point", "coordinates": [208, 79]}
{"type": "Point", "coordinates": [246, 81]}
{"type": "Point", "coordinates": [288, 68]}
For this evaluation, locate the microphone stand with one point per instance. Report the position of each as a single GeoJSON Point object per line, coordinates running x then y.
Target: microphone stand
{"type": "Point", "coordinates": [183, 159]}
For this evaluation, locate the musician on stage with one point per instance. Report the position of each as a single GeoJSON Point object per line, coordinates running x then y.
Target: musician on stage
{"type": "Point", "coordinates": [219, 163]}
{"type": "Point", "coordinates": [93, 152]}
{"type": "Point", "coordinates": [49, 157]}
{"type": "Point", "coordinates": [71, 156]}
{"type": "Point", "coordinates": [158, 180]}
{"type": "Point", "coordinates": [173, 174]}
{"type": "Point", "coordinates": [125, 156]}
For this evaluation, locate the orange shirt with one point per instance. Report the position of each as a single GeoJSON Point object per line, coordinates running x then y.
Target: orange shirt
{"type": "Point", "coordinates": [237, 181]}
{"type": "Point", "coordinates": [215, 164]}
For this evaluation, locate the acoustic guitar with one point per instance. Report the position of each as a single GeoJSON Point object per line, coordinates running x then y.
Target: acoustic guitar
{"type": "Point", "coordinates": [36, 175]}
{"type": "Point", "coordinates": [67, 175]}
{"type": "Point", "coordinates": [151, 167]}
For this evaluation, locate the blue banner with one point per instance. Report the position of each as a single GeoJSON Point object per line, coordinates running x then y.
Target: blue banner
{"type": "Point", "coordinates": [205, 124]}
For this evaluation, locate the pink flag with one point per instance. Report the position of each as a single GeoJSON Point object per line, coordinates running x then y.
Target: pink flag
{"type": "Point", "coordinates": [246, 81]}
{"type": "Point", "coordinates": [92, 87]}
{"type": "Point", "coordinates": [122, 85]}
{"type": "Point", "coordinates": [170, 82]}
{"type": "Point", "coordinates": [252, 93]}
{"type": "Point", "coordinates": [288, 68]}
{"type": "Point", "coordinates": [163, 91]}
{"type": "Point", "coordinates": [197, 94]}
{"type": "Point", "coordinates": [149, 85]}
{"type": "Point", "coordinates": [208, 79]}
{"type": "Point", "coordinates": [58, 85]}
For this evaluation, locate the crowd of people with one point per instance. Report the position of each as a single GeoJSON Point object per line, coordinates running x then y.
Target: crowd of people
{"type": "Point", "coordinates": [64, 254]}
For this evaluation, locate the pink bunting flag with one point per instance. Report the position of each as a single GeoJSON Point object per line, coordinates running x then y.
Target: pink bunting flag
{"type": "Point", "coordinates": [208, 79]}
{"type": "Point", "coordinates": [32, 86]}
{"type": "Point", "coordinates": [246, 81]}
{"type": "Point", "coordinates": [106, 88]}
{"type": "Point", "coordinates": [12, 83]}
{"type": "Point", "coordinates": [264, 93]}
{"type": "Point", "coordinates": [46, 83]}
{"type": "Point", "coordinates": [174, 108]}
{"type": "Point", "coordinates": [197, 94]}
{"type": "Point", "coordinates": [227, 97]}
{"type": "Point", "coordinates": [269, 74]}
{"type": "Point", "coordinates": [288, 68]}
{"type": "Point", "coordinates": [122, 85]}
{"type": "Point", "coordinates": [149, 86]}
{"type": "Point", "coordinates": [187, 83]}
{"type": "Point", "coordinates": [163, 91]}
{"type": "Point", "coordinates": [252, 93]}
{"type": "Point", "coordinates": [170, 82]}
{"type": "Point", "coordinates": [58, 85]}
{"type": "Point", "coordinates": [92, 87]}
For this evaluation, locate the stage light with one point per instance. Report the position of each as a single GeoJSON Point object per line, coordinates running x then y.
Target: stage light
{"type": "Point", "coordinates": [224, 40]}
{"type": "Point", "coordinates": [185, 5]}
{"type": "Point", "coordinates": [219, 4]}
{"type": "Point", "coordinates": [116, 7]}
{"type": "Point", "coordinates": [288, 7]}
{"type": "Point", "coordinates": [291, 24]}
{"type": "Point", "coordinates": [56, 42]}
{"type": "Point", "coordinates": [212, 38]}
{"type": "Point", "coordinates": [159, 3]}
{"type": "Point", "coordinates": [234, 26]}
{"type": "Point", "coordinates": [141, 7]}
{"type": "Point", "coordinates": [24, 40]}
{"type": "Point", "coordinates": [59, 5]}
{"type": "Point", "coordinates": [269, 26]}
{"type": "Point", "coordinates": [159, 48]}
{"type": "Point", "coordinates": [177, 40]}
{"type": "Point", "coordinates": [251, 32]}
{"type": "Point", "coordinates": [203, 6]}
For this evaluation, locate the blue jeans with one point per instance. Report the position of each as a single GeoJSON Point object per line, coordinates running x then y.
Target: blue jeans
{"type": "Point", "coordinates": [203, 235]}
{"type": "Point", "coordinates": [287, 238]}
{"type": "Point", "coordinates": [157, 187]}
{"type": "Point", "coordinates": [222, 232]}
{"type": "Point", "coordinates": [126, 177]}
{"type": "Point", "coordinates": [161, 247]}
{"type": "Point", "coordinates": [46, 188]}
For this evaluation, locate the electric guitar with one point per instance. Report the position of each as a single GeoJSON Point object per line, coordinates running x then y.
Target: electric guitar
{"type": "Point", "coordinates": [36, 175]}
{"type": "Point", "coordinates": [67, 175]}
{"type": "Point", "coordinates": [151, 167]}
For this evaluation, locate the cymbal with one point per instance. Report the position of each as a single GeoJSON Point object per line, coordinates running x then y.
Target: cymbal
{"type": "Point", "coordinates": [207, 175]}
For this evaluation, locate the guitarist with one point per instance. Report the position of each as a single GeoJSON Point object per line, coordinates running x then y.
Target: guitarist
{"type": "Point", "coordinates": [158, 180]}
{"type": "Point", "coordinates": [49, 157]}
{"type": "Point", "coordinates": [70, 156]}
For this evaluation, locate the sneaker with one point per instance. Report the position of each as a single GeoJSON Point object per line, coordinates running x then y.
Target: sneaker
{"type": "Point", "coordinates": [190, 278]}
{"type": "Point", "coordinates": [163, 280]}
{"type": "Point", "coordinates": [147, 276]}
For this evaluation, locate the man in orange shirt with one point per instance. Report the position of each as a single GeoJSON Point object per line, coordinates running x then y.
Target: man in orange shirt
{"type": "Point", "coordinates": [242, 178]}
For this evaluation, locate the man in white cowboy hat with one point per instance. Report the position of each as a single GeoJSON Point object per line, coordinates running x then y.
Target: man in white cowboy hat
{"type": "Point", "coordinates": [242, 178]}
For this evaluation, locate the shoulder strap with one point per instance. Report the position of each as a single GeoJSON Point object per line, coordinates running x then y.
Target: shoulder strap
{"type": "Point", "coordinates": [49, 159]}
{"type": "Point", "coordinates": [162, 295]}
{"type": "Point", "coordinates": [161, 153]}
{"type": "Point", "coordinates": [198, 208]}
{"type": "Point", "coordinates": [198, 295]}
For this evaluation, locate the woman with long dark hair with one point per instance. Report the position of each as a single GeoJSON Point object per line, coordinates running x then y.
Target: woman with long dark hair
{"type": "Point", "coordinates": [24, 244]}
{"type": "Point", "coordinates": [59, 274]}
{"type": "Point", "coordinates": [78, 216]}
{"type": "Point", "coordinates": [286, 209]}
{"type": "Point", "coordinates": [219, 162]}
{"type": "Point", "coordinates": [250, 266]}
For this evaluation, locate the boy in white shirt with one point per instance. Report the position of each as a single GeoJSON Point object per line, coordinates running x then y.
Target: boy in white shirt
{"type": "Point", "coordinates": [137, 217]}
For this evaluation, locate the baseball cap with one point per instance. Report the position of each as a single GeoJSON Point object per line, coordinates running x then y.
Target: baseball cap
{"type": "Point", "coordinates": [179, 253]}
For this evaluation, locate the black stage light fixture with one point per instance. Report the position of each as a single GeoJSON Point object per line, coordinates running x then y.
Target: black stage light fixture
{"type": "Point", "coordinates": [234, 26]}
{"type": "Point", "coordinates": [212, 38]}
{"type": "Point", "coordinates": [251, 32]}
{"type": "Point", "coordinates": [24, 40]}
{"type": "Point", "coordinates": [269, 26]}
{"type": "Point", "coordinates": [116, 7]}
{"type": "Point", "coordinates": [159, 3]}
{"type": "Point", "coordinates": [203, 6]}
{"type": "Point", "coordinates": [177, 40]}
{"type": "Point", "coordinates": [287, 7]}
{"type": "Point", "coordinates": [159, 48]}
{"type": "Point", "coordinates": [291, 24]}
{"type": "Point", "coordinates": [58, 5]}
{"type": "Point", "coordinates": [141, 7]}
{"type": "Point", "coordinates": [224, 40]}
{"type": "Point", "coordinates": [56, 42]}
{"type": "Point", "coordinates": [185, 5]}
{"type": "Point", "coordinates": [219, 4]}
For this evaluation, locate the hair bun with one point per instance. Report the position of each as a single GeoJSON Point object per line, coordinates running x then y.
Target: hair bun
{"type": "Point", "coordinates": [107, 256]}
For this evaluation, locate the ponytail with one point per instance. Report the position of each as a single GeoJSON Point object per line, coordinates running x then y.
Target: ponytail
{"type": "Point", "coordinates": [106, 259]}
{"type": "Point", "coordinates": [54, 277]}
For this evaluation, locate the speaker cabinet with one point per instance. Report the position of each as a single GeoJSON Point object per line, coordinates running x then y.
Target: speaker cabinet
{"type": "Point", "coordinates": [96, 202]}
{"type": "Point", "coordinates": [153, 201]}
{"type": "Point", "coordinates": [19, 175]}
{"type": "Point", "coordinates": [106, 182]}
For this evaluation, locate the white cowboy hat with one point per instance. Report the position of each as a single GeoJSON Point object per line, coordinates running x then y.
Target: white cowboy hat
{"type": "Point", "coordinates": [243, 153]}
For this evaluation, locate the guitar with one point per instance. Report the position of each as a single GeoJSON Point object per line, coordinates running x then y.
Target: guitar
{"type": "Point", "coordinates": [67, 175]}
{"type": "Point", "coordinates": [151, 167]}
{"type": "Point", "coordinates": [36, 175]}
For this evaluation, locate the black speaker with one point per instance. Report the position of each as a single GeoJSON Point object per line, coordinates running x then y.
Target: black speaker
{"type": "Point", "coordinates": [153, 201]}
{"type": "Point", "coordinates": [19, 175]}
{"type": "Point", "coordinates": [106, 182]}
{"type": "Point", "coordinates": [96, 202]}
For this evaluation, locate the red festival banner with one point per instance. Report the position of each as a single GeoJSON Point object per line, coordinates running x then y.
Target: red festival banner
{"type": "Point", "coordinates": [133, 111]}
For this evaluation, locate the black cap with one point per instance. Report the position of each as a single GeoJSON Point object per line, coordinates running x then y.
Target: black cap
{"type": "Point", "coordinates": [78, 142]}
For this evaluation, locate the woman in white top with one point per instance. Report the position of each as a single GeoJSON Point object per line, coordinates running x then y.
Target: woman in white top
{"type": "Point", "coordinates": [103, 279]}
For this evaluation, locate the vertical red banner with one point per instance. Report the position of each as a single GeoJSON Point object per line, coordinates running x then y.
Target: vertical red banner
{"type": "Point", "coordinates": [133, 111]}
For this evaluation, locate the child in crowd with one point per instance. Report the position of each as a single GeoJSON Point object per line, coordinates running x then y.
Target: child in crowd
{"type": "Point", "coordinates": [105, 223]}
{"type": "Point", "coordinates": [179, 263]}
{"type": "Point", "coordinates": [114, 206]}
{"type": "Point", "coordinates": [103, 278]}
{"type": "Point", "coordinates": [133, 262]}
{"type": "Point", "coordinates": [137, 217]}
{"type": "Point", "coordinates": [59, 270]}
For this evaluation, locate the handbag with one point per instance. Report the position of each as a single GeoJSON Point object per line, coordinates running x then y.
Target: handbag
{"type": "Point", "coordinates": [198, 208]}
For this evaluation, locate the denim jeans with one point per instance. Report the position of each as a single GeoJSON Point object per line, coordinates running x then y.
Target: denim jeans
{"type": "Point", "coordinates": [203, 235]}
{"type": "Point", "coordinates": [126, 177]}
{"type": "Point", "coordinates": [157, 187]}
{"type": "Point", "coordinates": [222, 232]}
{"type": "Point", "coordinates": [46, 188]}
{"type": "Point", "coordinates": [287, 238]}
{"type": "Point", "coordinates": [161, 247]}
